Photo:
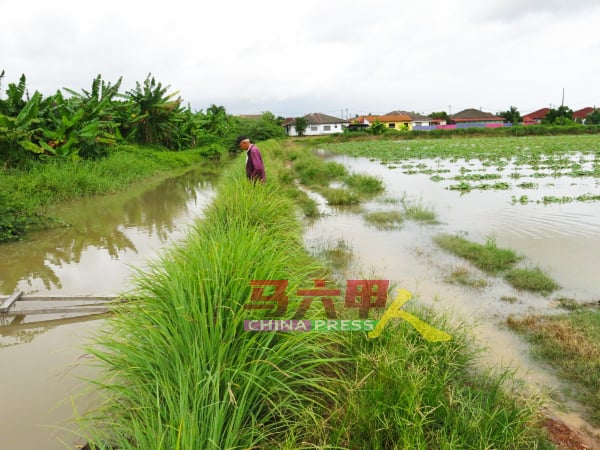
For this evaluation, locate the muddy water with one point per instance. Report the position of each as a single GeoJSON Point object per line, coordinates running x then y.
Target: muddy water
{"type": "Point", "coordinates": [562, 239]}
{"type": "Point", "coordinates": [41, 362]}
{"type": "Point", "coordinates": [109, 236]}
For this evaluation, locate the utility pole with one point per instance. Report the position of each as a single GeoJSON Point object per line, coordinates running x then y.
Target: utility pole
{"type": "Point", "coordinates": [562, 103]}
{"type": "Point", "coordinates": [449, 110]}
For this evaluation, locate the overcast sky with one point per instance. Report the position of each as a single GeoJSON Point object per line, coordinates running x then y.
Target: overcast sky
{"type": "Point", "coordinates": [336, 57]}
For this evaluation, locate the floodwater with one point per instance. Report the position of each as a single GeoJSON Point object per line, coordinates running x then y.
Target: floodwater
{"type": "Point", "coordinates": [43, 363]}
{"type": "Point", "coordinates": [40, 363]}
{"type": "Point", "coordinates": [561, 239]}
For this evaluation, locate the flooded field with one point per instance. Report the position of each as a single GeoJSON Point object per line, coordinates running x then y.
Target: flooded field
{"type": "Point", "coordinates": [561, 238]}
{"type": "Point", "coordinates": [543, 208]}
{"type": "Point", "coordinates": [42, 359]}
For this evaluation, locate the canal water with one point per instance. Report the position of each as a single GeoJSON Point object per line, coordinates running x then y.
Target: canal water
{"type": "Point", "coordinates": [41, 364]}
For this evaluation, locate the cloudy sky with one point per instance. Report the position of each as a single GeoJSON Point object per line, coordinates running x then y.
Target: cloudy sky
{"type": "Point", "coordinates": [336, 57]}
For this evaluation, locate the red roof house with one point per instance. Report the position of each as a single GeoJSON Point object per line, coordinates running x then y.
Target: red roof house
{"type": "Point", "coordinates": [535, 117]}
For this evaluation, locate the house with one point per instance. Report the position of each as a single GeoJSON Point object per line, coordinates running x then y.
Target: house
{"type": "Point", "coordinates": [535, 117]}
{"type": "Point", "coordinates": [318, 124]}
{"type": "Point", "coordinates": [393, 121]}
{"type": "Point", "coordinates": [476, 118]}
{"type": "Point", "coordinates": [581, 114]}
{"type": "Point", "coordinates": [419, 121]}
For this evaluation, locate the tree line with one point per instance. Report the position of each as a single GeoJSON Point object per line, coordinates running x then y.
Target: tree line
{"type": "Point", "coordinates": [87, 124]}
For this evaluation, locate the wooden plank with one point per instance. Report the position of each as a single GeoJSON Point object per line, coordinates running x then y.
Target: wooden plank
{"type": "Point", "coordinates": [5, 306]}
{"type": "Point", "coordinates": [80, 309]}
{"type": "Point", "coordinates": [72, 298]}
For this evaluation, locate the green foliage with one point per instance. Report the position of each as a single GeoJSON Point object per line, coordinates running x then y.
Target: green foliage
{"type": "Point", "coordinates": [384, 220]}
{"type": "Point", "coordinates": [563, 115]}
{"type": "Point", "coordinates": [593, 118]}
{"type": "Point", "coordinates": [512, 115]}
{"type": "Point", "coordinates": [364, 184]}
{"type": "Point", "coordinates": [301, 123]}
{"type": "Point", "coordinates": [27, 195]}
{"type": "Point", "coordinates": [440, 115]}
{"type": "Point", "coordinates": [14, 102]}
{"type": "Point", "coordinates": [15, 218]}
{"type": "Point", "coordinates": [488, 257]}
{"type": "Point", "coordinates": [531, 280]}
{"type": "Point", "coordinates": [377, 127]}
{"type": "Point", "coordinates": [212, 151]}
{"type": "Point", "coordinates": [153, 112]}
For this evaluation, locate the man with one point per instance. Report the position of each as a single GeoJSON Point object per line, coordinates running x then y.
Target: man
{"type": "Point", "coordinates": [255, 169]}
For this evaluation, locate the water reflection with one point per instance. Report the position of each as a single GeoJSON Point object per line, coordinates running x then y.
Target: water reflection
{"type": "Point", "coordinates": [103, 235]}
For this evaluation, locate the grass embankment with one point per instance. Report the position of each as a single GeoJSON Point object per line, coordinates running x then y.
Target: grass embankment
{"type": "Point", "coordinates": [493, 260]}
{"type": "Point", "coordinates": [182, 373]}
{"type": "Point", "coordinates": [571, 344]}
{"type": "Point", "coordinates": [28, 195]}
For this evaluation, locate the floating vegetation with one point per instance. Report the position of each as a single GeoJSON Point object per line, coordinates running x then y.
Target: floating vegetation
{"type": "Point", "coordinates": [527, 185]}
{"type": "Point", "coordinates": [472, 159]}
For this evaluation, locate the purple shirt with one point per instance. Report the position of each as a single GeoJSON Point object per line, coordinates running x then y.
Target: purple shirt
{"type": "Point", "coordinates": [255, 169]}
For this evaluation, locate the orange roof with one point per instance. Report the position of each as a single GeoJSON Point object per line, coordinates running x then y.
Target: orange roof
{"type": "Point", "coordinates": [539, 114]}
{"type": "Point", "coordinates": [582, 113]}
{"type": "Point", "coordinates": [383, 119]}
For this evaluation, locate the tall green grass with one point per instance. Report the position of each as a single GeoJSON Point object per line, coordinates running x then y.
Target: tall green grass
{"type": "Point", "coordinates": [408, 393]}
{"type": "Point", "coordinates": [182, 374]}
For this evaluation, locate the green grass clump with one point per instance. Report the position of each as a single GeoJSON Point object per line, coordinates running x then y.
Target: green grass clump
{"type": "Point", "coordinates": [407, 393]}
{"type": "Point", "coordinates": [385, 220]}
{"type": "Point", "coordinates": [487, 257]}
{"type": "Point", "coordinates": [531, 280]}
{"type": "Point", "coordinates": [340, 196]}
{"type": "Point", "coordinates": [419, 212]}
{"type": "Point", "coordinates": [571, 344]}
{"type": "Point", "coordinates": [312, 170]}
{"type": "Point", "coordinates": [464, 277]}
{"type": "Point", "coordinates": [364, 184]}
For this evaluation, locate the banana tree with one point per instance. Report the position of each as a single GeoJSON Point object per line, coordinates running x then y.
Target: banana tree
{"type": "Point", "coordinates": [154, 113]}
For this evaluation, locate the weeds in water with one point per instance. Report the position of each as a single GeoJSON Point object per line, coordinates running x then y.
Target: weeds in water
{"type": "Point", "coordinates": [385, 220]}
{"type": "Point", "coordinates": [338, 254]}
{"type": "Point", "coordinates": [494, 260]}
{"type": "Point", "coordinates": [488, 257]}
{"type": "Point", "coordinates": [364, 184]}
{"type": "Point", "coordinates": [340, 196]}
{"type": "Point", "coordinates": [464, 277]}
{"type": "Point", "coordinates": [419, 212]}
{"type": "Point", "coordinates": [534, 280]}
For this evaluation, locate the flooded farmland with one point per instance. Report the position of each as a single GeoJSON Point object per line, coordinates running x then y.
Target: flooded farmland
{"type": "Point", "coordinates": [42, 360]}
{"type": "Point", "coordinates": [531, 208]}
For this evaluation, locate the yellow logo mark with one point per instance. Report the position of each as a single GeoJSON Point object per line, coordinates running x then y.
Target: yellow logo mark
{"type": "Point", "coordinates": [427, 331]}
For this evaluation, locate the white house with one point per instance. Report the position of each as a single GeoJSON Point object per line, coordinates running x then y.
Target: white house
{"type": "Point", "coordinates": [318, 124]}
